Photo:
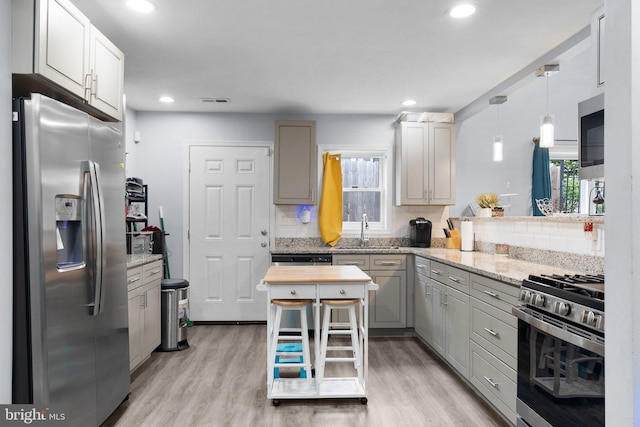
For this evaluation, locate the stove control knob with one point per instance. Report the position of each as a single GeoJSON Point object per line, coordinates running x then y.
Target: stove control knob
{"type": "Point", "coordinates": [592, 319]}
{"type": "Point", "coordinates": [589, 317]}
{"type": "Point", "coordinates": [562, 308]}
{"type": "Point", "coordinates": [538, 300]}
{"type": "Point", "coordinates": [525, 295]}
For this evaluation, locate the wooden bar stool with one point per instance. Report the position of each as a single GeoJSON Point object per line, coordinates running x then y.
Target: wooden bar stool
{"type": "Point", "coordinates": [340, 328]}
{"type": "Point", "coordinates": [300, 335]}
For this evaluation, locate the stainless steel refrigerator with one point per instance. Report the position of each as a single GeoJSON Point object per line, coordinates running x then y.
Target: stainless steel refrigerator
{"type": "Point", "coordinates": [71, 337]}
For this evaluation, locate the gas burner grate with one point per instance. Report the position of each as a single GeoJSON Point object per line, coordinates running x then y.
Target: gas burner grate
{"type": "Point", "coordinates": [582, 289]}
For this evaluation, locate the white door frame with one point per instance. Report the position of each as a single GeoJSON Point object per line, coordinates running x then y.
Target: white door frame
{"type": "Point", "coordinates": [186, 256]}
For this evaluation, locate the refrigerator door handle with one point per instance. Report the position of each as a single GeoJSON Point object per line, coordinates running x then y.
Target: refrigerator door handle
{"type": "Point", "coordinates": [97, 205]}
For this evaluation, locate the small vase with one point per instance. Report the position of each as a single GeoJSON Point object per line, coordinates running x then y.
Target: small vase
{"type": "Point", "coordinates": [483, 212]}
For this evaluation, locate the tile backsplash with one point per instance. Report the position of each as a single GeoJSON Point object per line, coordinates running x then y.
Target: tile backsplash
{"type": "Point", "coordinates": [557, 241]}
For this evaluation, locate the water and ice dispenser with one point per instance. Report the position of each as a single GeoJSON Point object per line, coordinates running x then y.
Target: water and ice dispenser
{"type": "Point", "coordinates": [69, 243]}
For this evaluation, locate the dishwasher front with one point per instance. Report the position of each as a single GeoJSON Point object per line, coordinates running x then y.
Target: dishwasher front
{"type": "Point", "coordinates": [291, 319]}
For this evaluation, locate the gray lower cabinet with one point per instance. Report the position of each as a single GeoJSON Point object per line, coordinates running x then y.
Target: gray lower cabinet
{"type": "Point", "coordinates": [466, 319]}
{"type": "Point", "coordinates": [143, 284]}
{"type": "Point", "coordinates": [442, 311]}
{"type": "Point", "coordinates": [387, 305]}
{"type": "Point", "coordinates": [494, 343]}
{"type": "Point", "coordinates": [422, 298]}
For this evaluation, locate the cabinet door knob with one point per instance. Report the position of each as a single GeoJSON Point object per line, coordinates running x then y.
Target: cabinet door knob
{"type": "Point", "coordinates": [263, 244]}
{"type": "Point", "coordinates": [263, 232]}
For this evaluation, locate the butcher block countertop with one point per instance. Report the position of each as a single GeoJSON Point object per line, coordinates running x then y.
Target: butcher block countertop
{"type": "Point", "coordinates": [315, 274]}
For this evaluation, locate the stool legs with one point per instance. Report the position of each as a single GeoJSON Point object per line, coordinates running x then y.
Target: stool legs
{"type": "Point", "coordinates": [302, 337]}
{"type": "Point", "coordinates": [328, 329]}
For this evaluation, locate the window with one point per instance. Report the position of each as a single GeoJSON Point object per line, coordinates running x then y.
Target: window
{"type": "Point", "coordinates": [565, 186]}
{"type": "Point", "coordinates": [364, 189]}
{"type": "Point", "coordinates": [565, 183]}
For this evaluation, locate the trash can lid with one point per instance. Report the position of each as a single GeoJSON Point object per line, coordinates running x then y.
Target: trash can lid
{"type": "Point", "coordinates": [174, 283]}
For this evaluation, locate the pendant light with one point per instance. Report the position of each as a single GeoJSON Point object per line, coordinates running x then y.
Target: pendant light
{"type": "Point", "coordinates": [546, 121]}
{"type": "Point", "coordinates": [497, 137]}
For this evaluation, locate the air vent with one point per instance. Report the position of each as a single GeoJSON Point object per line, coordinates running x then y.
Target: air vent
{"type": "Point", "coordinates": [216, 100]}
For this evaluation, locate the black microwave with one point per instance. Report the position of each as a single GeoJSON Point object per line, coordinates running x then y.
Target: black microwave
{"type": "Point", "coordinates": [591, 137]}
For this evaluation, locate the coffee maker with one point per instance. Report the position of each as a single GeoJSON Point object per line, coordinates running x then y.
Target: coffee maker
{"type": "Point", "coordinates": [420, 233]}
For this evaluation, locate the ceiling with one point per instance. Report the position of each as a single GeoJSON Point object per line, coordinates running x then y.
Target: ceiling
{"type": "Point", "coordinates": [330, 56]}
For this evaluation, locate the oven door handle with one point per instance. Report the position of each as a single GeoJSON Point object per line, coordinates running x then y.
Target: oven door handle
{"type": "Point", "coordinates": [556, 332]}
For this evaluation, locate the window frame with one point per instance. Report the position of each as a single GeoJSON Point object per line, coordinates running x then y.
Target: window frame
{"type": "Point", "coordinates": [352, 228]}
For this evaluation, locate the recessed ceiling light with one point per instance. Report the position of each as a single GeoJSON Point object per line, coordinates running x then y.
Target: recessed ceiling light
{"type": "Point", "coordinates": [408, 102]}
{"type": "Point", "coordinates": [462, 11]}
{"type": "Point", "coordinates": [144, 6]}
{"type": "Point", "coordinates": [166, 99]}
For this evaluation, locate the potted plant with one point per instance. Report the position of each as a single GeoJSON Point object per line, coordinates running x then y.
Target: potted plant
{"type": "Point", "coordinates": [486, 203]}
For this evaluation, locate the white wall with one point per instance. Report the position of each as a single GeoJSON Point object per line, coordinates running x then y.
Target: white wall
{"type": "Point", "coordinates": [6, 248]}
{"type": "Point", "coordinates": [622, 151]}
{"type": "Point", "coordinates": [158, 160]}
{"type": "Point", "coordinates": [519, 124]}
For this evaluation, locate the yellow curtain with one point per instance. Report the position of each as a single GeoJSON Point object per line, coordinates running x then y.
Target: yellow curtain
{"type": "Point", "coordinates": [330, 214]}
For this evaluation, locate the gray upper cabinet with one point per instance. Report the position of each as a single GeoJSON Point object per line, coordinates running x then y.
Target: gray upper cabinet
{"type": "Point", "coordinates": [58, 52]}
{"type": "Point", "coordinates": [425, 164]}
{"type": "Point", "coordinates": [295, 163]}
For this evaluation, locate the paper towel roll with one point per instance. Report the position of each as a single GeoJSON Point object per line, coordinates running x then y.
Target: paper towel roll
{"type": "Point", "coordinates": [466, 233]}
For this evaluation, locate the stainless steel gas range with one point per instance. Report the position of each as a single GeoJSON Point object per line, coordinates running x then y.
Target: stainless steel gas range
{"type": "Point", "coordinates": [561, 351]}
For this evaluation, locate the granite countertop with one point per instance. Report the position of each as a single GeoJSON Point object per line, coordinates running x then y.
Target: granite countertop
{"type": "Point", "coordinates": [498, 267]}
{"type": "Point", "coordinates": [134, 260]}
{"type": "Point", "coordinates": [343, 250]}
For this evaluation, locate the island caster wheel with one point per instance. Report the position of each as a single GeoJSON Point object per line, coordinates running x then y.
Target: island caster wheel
{"type": "Point", "coordinates": [275, 402]}
{"type": "Point", "coordinates": [363, 400]}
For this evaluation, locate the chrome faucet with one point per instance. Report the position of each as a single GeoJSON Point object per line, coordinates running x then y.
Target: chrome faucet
{"type": "Point", "coordinates": [364, 225]}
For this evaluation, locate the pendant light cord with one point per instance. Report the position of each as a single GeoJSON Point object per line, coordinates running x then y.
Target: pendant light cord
{"type": "Point", "coordinates": [547, 94]}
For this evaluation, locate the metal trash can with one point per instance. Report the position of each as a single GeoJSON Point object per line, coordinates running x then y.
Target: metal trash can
{"type": "Point", "coordinates": [175, 314]}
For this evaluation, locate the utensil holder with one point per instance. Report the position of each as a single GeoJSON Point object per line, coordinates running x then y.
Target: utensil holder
{"type": "Point", "coordinates": [453, 242]}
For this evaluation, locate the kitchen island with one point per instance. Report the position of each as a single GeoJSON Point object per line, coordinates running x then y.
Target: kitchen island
{"type": "Point", "coordinates": [317, 283]}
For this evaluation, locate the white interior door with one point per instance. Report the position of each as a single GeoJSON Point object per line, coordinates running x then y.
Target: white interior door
{"type": "Point", "coordinates": [229, 205]}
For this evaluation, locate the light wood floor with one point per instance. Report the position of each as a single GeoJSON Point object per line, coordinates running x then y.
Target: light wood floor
{"type": "Point", "coordinates": [221, 381]}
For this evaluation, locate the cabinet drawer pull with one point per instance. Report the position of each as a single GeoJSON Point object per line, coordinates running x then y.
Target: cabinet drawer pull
{"type": "Point", "coordinates": [293, 291]}
{"type": "Point", "coordinates": [453, 279]}
{"type": "Point", "coordinates": [491, 294]}
{"type": "Point", "coordinates": [492, 332]}
{"type": "Point", "coordinates": [342, 292]}
{"type": "Point", "coordinates": [436, 272]}
{"type": "Point", "coordinates": [154, 272]}
{"type": "Point", "coordinates": [352, 263]}
{"type": "Point", "coordinates": [389, 263]}
{"type": "Point", "coordinates": [130, 281]}
{"type": "Point", "coordinates": [490, 381]}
